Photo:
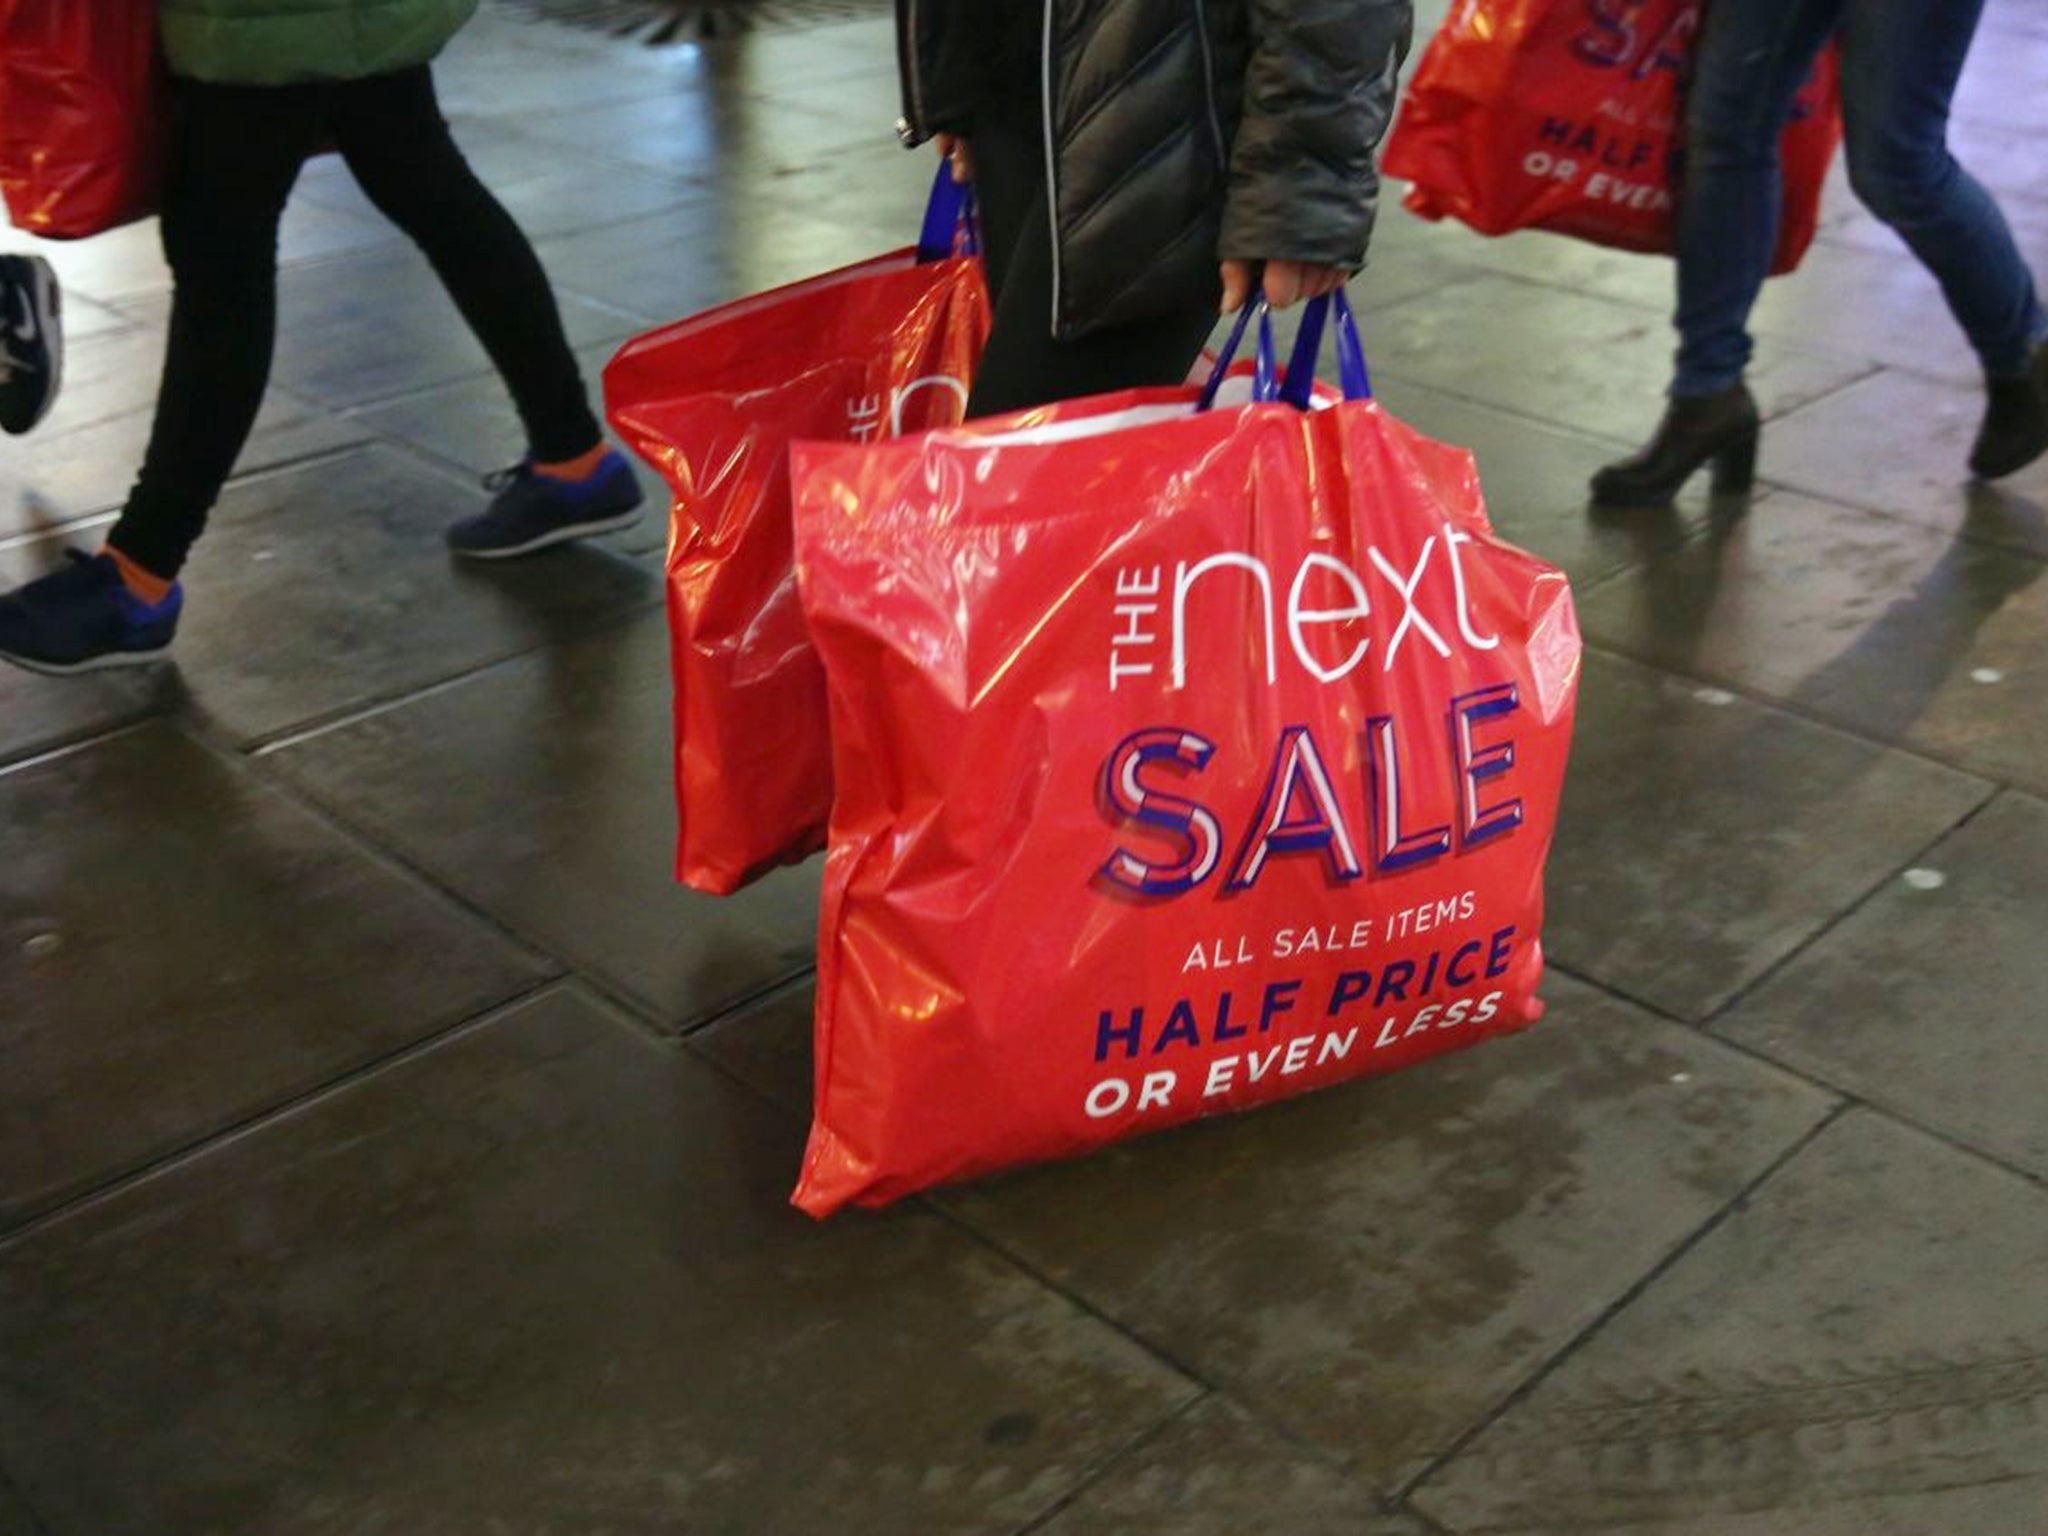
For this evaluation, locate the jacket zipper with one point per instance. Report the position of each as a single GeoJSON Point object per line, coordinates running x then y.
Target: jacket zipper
{"type": "Point", "coordinates": [1052, 182]}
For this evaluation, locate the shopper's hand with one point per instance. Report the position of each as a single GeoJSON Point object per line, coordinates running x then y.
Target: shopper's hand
{"type": "Point", "coordinates": [1285, 282]}
{"type": "Point", "coordinates": [953, 149]}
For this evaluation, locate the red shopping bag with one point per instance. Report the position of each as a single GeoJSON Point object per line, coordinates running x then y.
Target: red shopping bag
{"type": "Point", "coordinates": [82, 114]}
{"type": "Point", "coordinates": [1186, 760]}
{"type": "Point", "coordinates": [1565, 115]}
{"type": "Point", "coordinates": [870, 351]}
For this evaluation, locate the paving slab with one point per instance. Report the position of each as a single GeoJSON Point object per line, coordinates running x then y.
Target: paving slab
{"type": "Point", "coordinates": [2001, 153]}
{"type": "Point", "coordinates": [518, 75]}
{"type": "Point", "coordinates": [1216, 1472]}
{"type": "Point", "coordinates": [181, 948]}
{"type": "Point", "coordinates": [556, 194]}
{"type": "Point", "coordinates": [60, 477]}
{"type": "Point", "coordinates": [1900, 443]}
{"type": "Point", "coordinates": [473, 427]}
{"type": "Point", "coordinates": [39, 714]}
{"type": "Point", "coordinates": [1869, 304]}
{"type": "Point", "coordinates": [380, 324]}
{"type": "Point", "coordinates": [1850, 223]}
{"type": "Point", "coordinates": [82, 317]}
{"type": "Point", "coordinates": [2013, 23]}
{"type": "Point", "coordinates": [547, 190]}
{"type": "Point", "coordinates": [772, 60]}
{"type": "Point", "coordinates": [113, 373]}
{"type": "Point", "coordinates": [1844, 218]}
{"type": "Point", "coordinates": [876, 192]}
{"type": "Point", "coordinates": [1929, 998]}
{"type": "Point", "coordinates": [767, 1046]}
{"type": "Point", "coordinates": [1704, 838]}
{"type": "Point", "coordinates": [540, 1278]}
{"type": "Point", "coordinates": [720, 133]}
{"type": "Point", "coordinates": [1861, 1350]}
{"type": "Point", "coordinates": [1857, 293]}
{"type": "Point", "coordinates": [1570, 359]}
{"type": "Point", "coordinates": [541, 791]}
{"type": "Point", "coordinates": [1372, 1269]}
{"type": "Point", "coordinates": [1537, 257]}
{"type": "Point", "coordinates": [322, 589]}
{"type": "Point", "coordinates": [2000, 85]}
{"type": "Point", "coordinates": [1535, 479]}
{"type": "Point", "coordinates": [1896, 632]}
{"type": "Point", "coordinates": [127, 264]}
{"type": "Point", "coordinates": [485, 69]}
{"type": "Point", "coordinates": [686, 259]}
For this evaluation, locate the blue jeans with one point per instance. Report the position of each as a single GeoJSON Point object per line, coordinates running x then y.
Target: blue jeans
{"type": "Point", "coordinates": [1900, 62]}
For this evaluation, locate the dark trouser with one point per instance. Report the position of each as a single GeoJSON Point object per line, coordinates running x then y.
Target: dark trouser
{"type": "Point", "coordinates": [235, 153]}
{"type": "Point", "coordinates": [1026, 364]}
{"type": "Point", "coordinates": [1900, 62]}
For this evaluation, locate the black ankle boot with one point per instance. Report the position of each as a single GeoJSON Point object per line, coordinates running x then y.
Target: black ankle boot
{"type": "Point", "coordinates": [2015, 430]}
{"type": "Point", "coordinates": [1722, 428]}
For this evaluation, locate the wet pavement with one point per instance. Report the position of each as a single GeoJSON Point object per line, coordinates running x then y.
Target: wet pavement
{"type": "Point", "coordinates": [387, 1146]}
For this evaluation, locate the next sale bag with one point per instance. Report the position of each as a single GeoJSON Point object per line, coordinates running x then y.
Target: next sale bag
{"type": "Point", "coordinates": [1186, 759]}
{"type": "Point", "coordinates": [1566, 115]}
{"type": "Point", "coordinates": [870, 351]}
{"type": "Point", "coordinates": [82, 114]}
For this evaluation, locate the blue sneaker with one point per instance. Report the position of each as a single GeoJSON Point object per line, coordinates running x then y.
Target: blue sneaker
{"type": "Point", "coordinates": [533, 510]}
{"type": "Point", "coordinates": [83, 617]}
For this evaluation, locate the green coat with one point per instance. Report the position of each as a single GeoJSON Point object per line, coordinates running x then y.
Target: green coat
{"type": "Point", "coordinates": [291, 42]}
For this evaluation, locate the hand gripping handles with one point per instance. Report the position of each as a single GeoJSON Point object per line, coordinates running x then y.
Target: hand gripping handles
{"type": "Point", "coordinates": [1296, 386]}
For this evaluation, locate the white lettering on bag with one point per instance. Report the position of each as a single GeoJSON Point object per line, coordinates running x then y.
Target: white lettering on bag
{"type": "Point", "coordinates": [1432, 607]}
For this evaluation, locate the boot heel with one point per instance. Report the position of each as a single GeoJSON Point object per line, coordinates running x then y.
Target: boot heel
{"type": "Point", "coordinates": [1735, 466]}
{"type": "Point", "coordinates": [1696, 431]}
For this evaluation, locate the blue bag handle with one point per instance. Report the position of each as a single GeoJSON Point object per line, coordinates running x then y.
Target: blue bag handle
{"type": "Point", "coordinates": [950, 226]}
{"type": "Point", "coordinates": [1265, 370]}
{"type": "Point", "coordinates": [1298, 384]}
{"type": "Point", "coordinates": [1308, 345]}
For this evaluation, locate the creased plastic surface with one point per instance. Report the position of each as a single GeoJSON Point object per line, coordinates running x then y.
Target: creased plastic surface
{"type": "Point", "coordinates": [1566, 115]}
{"type": "Point", "coordinates": [713, 402]}
{"type": "Point", "coordinates": [82, 114]}
{"type": "Point", "coordinates": [1185, 762]}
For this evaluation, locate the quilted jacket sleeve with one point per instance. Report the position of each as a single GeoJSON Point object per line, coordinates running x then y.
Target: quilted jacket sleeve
{"type": "Point", "coordinates": [1319, 94]}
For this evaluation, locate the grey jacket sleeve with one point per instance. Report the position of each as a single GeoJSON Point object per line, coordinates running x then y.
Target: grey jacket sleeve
{"type": "Point", "coordinates": [1319, 94]}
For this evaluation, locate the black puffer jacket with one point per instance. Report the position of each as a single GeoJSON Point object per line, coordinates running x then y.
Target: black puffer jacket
{"type": "Point", "coordinates": [1182, 132]}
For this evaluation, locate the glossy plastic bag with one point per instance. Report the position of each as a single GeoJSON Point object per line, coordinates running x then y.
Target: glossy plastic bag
{"type": "Point", "coordinates": [1565, 115]}
{"type": "Point", "coordinates": [1185, 760]}
{"type": "Point", "coordinates": [82, 114]}
{"type": "Point", "coordinates": [872, 350]}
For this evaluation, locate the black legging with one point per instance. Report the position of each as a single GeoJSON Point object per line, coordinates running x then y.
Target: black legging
{"type": "Point", "coordinates": [1025, 364]}
{"type": "Point", "coordinates": [235, 153]}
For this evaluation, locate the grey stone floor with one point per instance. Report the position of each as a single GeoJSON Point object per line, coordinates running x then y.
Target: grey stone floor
{"type": "Point", "coordinates": [387, 1147]}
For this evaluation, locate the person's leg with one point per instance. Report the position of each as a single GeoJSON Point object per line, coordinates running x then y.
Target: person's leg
{"type": "Point", "coordinates": [391, 133]}
{"type": "Point", "coordinates": [1747, 70]}
{"type": "Point", "coordinates": [570, 484]}
{"type": "Point", "coordinates": [1024, 363]}
{"type": "Point", "coordinates": [1752, 57]}
{"type": "Point", "coordinates": [1900, 63]}
{"type": "Point", "coordinates": [235, 154]}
